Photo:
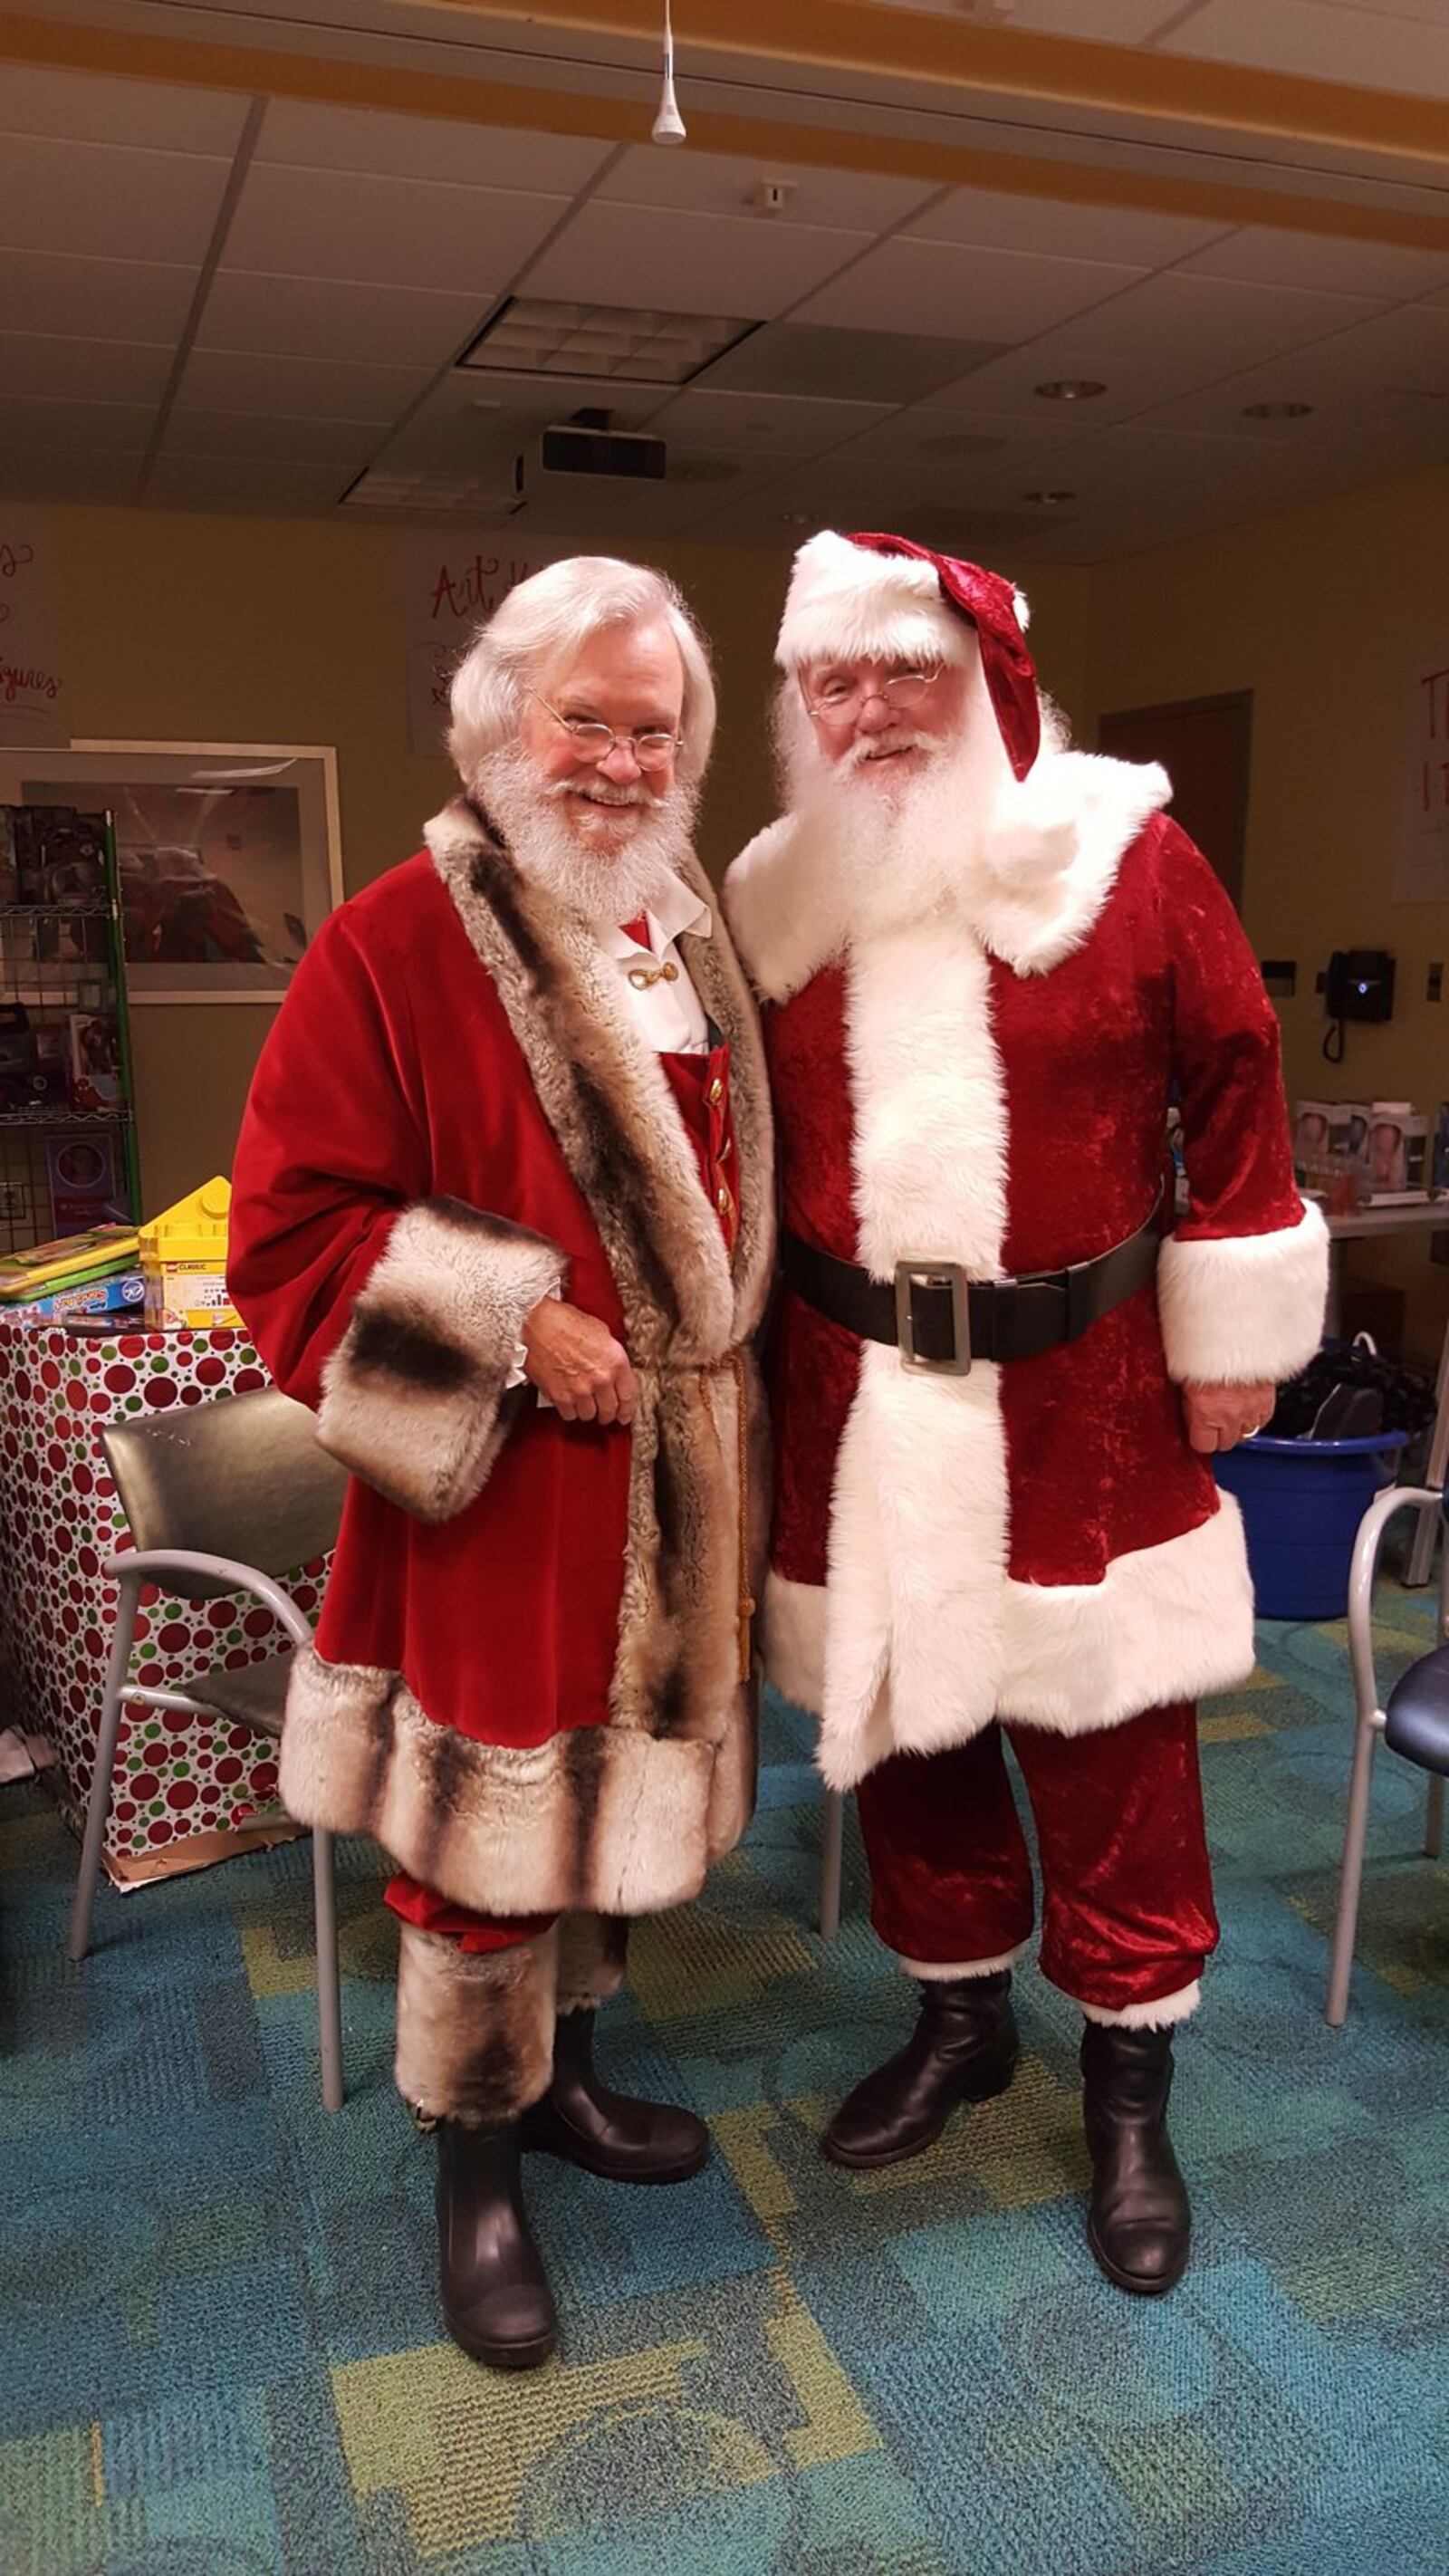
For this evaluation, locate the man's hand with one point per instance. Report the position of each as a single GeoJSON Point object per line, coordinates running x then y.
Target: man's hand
{"type": "Point", "coordinates": [575, 1361]}
{"type": "Point", "coordinates": [1218, 1417]}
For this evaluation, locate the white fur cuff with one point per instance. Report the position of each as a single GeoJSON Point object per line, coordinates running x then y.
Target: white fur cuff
{"type": "Point", "coordinates": [412, 1395]}
{"type": "Point", "coordinates": [1160, 2014]}
{"type": "Point", "coordinates": [1243, 1309]}
{"type": "Point", "coordinates": [934, 1972]}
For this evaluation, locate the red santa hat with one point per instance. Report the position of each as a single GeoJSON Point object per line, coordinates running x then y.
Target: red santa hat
{"type": "Point", "coordinates": [883, 598]}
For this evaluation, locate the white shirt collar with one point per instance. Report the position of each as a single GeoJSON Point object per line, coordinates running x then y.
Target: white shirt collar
{"type": "Point", "coordinates": [675, 911]}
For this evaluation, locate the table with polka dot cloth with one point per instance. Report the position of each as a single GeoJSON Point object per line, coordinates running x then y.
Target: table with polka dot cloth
{"type": "Point", "coordinates": [186, 1791]}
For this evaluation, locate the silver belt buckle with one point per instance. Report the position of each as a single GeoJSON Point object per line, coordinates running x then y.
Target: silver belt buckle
{"type": "Point", "coordinates": [924, 1273]}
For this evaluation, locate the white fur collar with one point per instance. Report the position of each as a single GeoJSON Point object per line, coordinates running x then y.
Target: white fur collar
{"type": "Point", "coordinates": [1033, 896]}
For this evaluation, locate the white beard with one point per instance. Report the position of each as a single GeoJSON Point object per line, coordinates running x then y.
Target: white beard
{"type": "Point", "coordinates": [603, 888]}
{"type": "Point", "coordinates": [900, 849]}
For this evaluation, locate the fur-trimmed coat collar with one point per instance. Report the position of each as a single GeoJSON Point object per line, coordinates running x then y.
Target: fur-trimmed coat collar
{"type": "Point", "coordinates": [686, 1301]}
{"type": "Point", "coordinates": [1032, 896]}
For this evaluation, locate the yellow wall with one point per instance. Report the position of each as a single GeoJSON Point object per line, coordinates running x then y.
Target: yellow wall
{"type": "Point", "coordinates": [1324, 613]}
{"type": "Point", "coordinates": [253, 630]}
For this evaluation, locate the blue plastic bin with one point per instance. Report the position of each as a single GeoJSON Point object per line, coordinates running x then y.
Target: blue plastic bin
{"type": "Point", "coordinates": [1302, 1501]}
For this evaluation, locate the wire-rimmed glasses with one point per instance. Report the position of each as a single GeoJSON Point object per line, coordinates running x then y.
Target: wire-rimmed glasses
{"type": "Point", "coordinates": [841, 700]}
{"type": "Point", "coordinates": [651, 745]}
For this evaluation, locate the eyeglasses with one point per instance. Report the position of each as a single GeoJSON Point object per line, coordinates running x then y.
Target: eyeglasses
{"type": "Point", "coordinates": [651, 746]}
{"type": "Point", "coordinates": [842, 700]}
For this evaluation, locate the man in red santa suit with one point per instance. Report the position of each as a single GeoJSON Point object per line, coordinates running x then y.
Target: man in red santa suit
{"type": "Point", "coordinates": [503, 1212]}
{"type": "Point", "coordinates": [999, 1368]}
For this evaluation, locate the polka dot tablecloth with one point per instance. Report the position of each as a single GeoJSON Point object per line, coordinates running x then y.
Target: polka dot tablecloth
{"type": "Point", "coordinates": [178, 1778]}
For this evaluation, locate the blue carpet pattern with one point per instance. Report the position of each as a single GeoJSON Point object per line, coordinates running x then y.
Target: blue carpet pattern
{"type": "Point", "coordinates": [221, 2355]}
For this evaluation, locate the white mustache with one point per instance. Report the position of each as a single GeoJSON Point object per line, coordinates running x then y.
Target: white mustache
{"type": "Point", "coordinates": [871, 750]}
{"type": "Point", "coordinates": [602, 793]}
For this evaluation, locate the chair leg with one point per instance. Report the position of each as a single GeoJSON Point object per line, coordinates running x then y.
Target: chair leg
{"type": "Point", "coordinates": [1434, 1818]}
{"type": "Point", "coordinates": [329, 1992]}
{"type": "Point", "coordinates": [98, 1805]}
{"type": "Point", "coordinates": [832, 1843]}
{"type": "Point", "coordinates": [1351, 1874]}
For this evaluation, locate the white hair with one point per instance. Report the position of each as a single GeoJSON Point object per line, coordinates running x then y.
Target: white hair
{"type": "Point", "coordinates": [553, 613]}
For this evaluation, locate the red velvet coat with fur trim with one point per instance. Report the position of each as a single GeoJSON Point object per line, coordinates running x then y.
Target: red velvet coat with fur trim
{"type": "Point", "coordinates": [526, 1676]}
{"type": "Point", "coordinates": [1034, 1541]}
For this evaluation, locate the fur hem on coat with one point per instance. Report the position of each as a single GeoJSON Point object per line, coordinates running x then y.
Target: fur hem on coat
{"type": "Point", "coordinates": [1166, 1623]}
{"type": "Point", "coordinates": [413, 1394]}
{"type": "Point", "coordinates": [605, 1818]}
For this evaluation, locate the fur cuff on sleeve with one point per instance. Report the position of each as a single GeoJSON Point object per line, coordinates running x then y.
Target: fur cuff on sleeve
{"type": "Point", "coordinates": [1244, 1309]}
{"type": "Point", "coordinates": [413, 1395]}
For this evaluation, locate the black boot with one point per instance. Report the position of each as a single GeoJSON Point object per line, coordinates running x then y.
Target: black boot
{"type": "Point", "coordinates": [1139, 2224]}
{"type": "Point", "coordinates": [496, 2301]}
{"type": "Point", "coordinates": [963, 2049]}
{"type": "Point", "coordinates": [609, 2133]}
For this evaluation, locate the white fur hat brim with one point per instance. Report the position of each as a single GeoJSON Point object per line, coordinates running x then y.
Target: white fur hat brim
{"type": "Point", "coordinates": [846, 603]}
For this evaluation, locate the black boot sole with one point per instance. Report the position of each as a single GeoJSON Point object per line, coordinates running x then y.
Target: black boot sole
{"type": "Point", "coordinates": [504, 2356]}
{"type": "Point", "coordinates": [1133, 2282]}
{"type": "Point", "coordinates": [856, 2162]}
{"type": "Point", "coordinates": [556, 2139]}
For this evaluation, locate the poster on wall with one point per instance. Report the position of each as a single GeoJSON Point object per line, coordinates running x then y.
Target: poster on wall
{"type": "Point", "coordinates": [452, 579]}
{"type": "Point", "coordinates": [32, 657]}
{"type": "Point", "coordinates": [227, 854]}
{"type": "Point", "coordinates": [1421, 872]}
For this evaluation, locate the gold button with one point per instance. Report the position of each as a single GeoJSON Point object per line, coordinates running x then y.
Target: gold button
{"type": "Point", "coordinates": [716, 1092]}
{"type": "Point", "coordinates": [723, 1199]}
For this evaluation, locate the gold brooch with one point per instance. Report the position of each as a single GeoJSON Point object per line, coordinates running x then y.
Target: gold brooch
{"type": "Point", "coordinates": [644, 978]}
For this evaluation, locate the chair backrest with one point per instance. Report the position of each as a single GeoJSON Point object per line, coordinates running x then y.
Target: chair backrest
{"type": "Point", "coordinates": [242, 1476]}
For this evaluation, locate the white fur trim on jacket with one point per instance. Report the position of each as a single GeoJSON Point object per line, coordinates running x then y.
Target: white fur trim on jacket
{"type": "Point", "coordinates": [846, 603]}
{"type": "Point", "coordinates": [1165, 1623]}
{"type": "Point", "coordinates": [413, 1394]}
{"type": "Point", "coordinates": [1032, 885]}
{"type": "Point", "coordinates": [1243, 1309]}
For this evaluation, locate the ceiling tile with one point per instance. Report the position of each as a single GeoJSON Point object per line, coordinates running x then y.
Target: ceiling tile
{"type": "Point", "coordinates": [271, 438]}
{"type": "Point", "coordinates": [990, 219]}
{"type": "Point", "coordinates": [1114, 22]}
{"type": "Point", "coordinates": [107, 201]}
{"type": "Point", "coordinates": [984, 294]}
{"type": "Point", "coordinates": [1264, 257]}
{"type": "Point", "coordinates": [83, 107]}
{"type": "Point", "coordinates": [762, 424]}
{"type": "Point", "coordinates": [69, 474]}
{"type": "Point", "coordinates": [845, 366]}
{"type": "Point", "coordinates": [42, 421]}
{"type": "Point", "coordinates": [1210, 325]}
{"type": "Point", "coordinates": [386, 232]}
{"type": "Point", "coordinates": [123, 371]}
{"type": "Point", "coordinates": [299, 135]}
{"type": "Point", "coordinates": [955, 442]}
{"type": "Point", "coordinates": [298, 388]}
{"type": "Point", "coordinates": [94, 298]}
{"type": "Point", "coordinates": [717, 183]}
{"type": "Point", "coordinates": [1333, 44]}
{"type": "Point", "coordinates": [689, 264]}
{"type": "Point", "coordinates": [311, 317]}
{"type": "Point", "coordinates": [245, 484]}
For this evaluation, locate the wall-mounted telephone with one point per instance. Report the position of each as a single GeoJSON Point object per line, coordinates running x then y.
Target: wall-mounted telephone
{"type": "Point", "coordinates": [1359, 985]}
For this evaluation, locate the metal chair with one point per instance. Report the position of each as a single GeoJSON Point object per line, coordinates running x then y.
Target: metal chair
{"type": "Point", "coordinates": [832, 1844]}
{"type": "Point", "coordinates": [221, 1498]}
{"type": "Point", "coordinates": [1415, 1722]}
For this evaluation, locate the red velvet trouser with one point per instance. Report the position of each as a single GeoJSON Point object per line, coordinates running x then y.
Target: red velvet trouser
{"type": "Point", "coordinates": [429, 1912]}
{"type": "Point", "coordinates": [1127, 1905]}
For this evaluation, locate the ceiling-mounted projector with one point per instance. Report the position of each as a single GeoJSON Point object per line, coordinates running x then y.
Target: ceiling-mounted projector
{"type": "Point", "coordinates": [589, 446]}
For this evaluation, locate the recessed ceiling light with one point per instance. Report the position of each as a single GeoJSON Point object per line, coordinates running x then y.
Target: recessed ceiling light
{"type": "Point", "coordinates": [533, 336]}
{"type": "Point", "coordinates": [1277, 411]}
{"type": "Point", "coordinates": [1049, 500]}
{"type": "Point", "coordinates": [1070, 389]}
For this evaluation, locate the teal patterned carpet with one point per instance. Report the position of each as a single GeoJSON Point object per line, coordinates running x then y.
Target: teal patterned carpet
{"type": "Point", "coordinates": [220, 2355]}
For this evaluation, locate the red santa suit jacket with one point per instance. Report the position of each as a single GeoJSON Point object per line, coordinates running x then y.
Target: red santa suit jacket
{"type": "Point", "coordinates": [1034, 1541]}
{"type": "Point", "coordinates": [526, 1681]}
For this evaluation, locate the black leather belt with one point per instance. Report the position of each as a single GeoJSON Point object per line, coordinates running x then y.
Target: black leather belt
{"type": "Point", "coordinates": [940, 1320]}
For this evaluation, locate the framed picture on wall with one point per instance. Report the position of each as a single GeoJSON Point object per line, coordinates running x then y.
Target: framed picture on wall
{"type": "Point", "coordinates": [229, 855]}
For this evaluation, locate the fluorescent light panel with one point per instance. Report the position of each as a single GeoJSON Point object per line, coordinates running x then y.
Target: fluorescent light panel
{"type": "Point", "coordinates": [531, 336]}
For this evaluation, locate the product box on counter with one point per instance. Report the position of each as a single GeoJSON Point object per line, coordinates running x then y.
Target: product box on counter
{"type": "Point", "coordinates": [119, 1297]}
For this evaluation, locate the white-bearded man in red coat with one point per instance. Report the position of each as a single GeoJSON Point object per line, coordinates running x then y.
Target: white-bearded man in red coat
{"type": "Point", "coordinates": [503, 1213]}
{"type": "Point", "coordinates": [999, 1367]}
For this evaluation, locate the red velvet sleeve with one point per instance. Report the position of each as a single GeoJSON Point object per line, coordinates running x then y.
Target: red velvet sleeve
{"type": "Point", "coordinates": [329, 1156]}
{"type": "Point", "coordinates": [1244, 1276]}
